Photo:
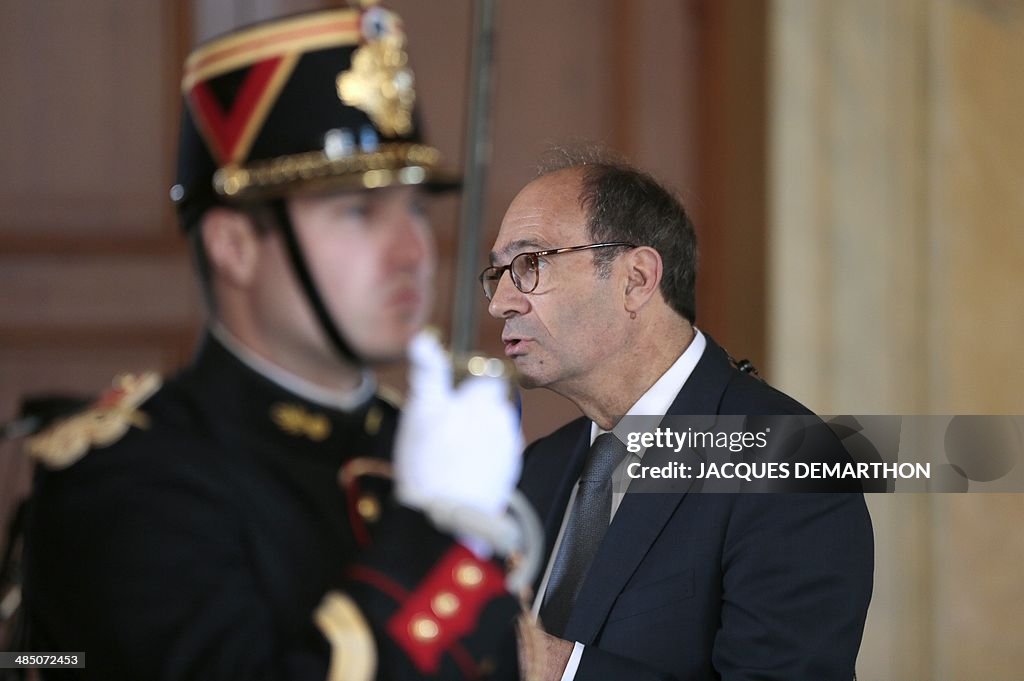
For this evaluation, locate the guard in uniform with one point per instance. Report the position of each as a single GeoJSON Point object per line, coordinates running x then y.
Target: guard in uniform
{"type": "Point", "coordinates": [239, 520]}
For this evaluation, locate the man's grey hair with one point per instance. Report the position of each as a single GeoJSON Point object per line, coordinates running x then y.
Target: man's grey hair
{"type": "Point", "coordinates": [623, 203]}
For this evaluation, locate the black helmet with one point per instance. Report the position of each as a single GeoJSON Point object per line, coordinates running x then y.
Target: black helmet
{"type": "Point", "coordinates": [314, 101]}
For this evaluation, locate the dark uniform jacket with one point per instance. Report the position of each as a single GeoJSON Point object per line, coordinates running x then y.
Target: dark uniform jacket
{"type": "Point", "coordinates": [697, 585]}
{"type": "Point", "coordinates": [201, 544]}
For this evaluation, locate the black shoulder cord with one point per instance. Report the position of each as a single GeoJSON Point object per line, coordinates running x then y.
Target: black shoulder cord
{"type": "Point", "coordinates": [279, 211]}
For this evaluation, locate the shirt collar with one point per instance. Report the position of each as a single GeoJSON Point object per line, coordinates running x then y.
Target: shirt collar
{"type": "Point", "coordinates": [659, 397]}
{"type": "Point", "coordinates": [342, 401]}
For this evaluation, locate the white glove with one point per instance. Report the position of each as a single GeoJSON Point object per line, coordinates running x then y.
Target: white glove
{"type": "Point", "coordinates": [456, 448]}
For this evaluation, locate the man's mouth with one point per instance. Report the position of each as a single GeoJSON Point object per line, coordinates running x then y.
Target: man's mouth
{"type": "Point", "coordinates": [405, 297]}
{"type": "Point", "coordinates": [515, 345]}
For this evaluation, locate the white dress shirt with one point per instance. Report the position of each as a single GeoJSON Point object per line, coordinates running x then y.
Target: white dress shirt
{"type": "Point", "coordinates": [654, 402]}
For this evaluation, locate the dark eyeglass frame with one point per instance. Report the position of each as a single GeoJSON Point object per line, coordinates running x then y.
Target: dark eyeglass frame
{"type": "Point", "coordinates": [494, 274]}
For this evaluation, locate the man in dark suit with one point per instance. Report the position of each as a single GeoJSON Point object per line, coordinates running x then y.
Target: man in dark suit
{"type": "Point", "coordinates": [237, 521]}
{"type": "Point", "coordinates": [599, 307]}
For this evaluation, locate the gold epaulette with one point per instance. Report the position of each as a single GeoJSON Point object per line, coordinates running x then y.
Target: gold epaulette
{"type": "Point", "coordinates": [103, 423]}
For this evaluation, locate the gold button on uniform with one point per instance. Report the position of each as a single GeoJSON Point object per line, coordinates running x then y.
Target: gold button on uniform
{"type": "Point", "coordinates": [444, 604]}
{"type": "Point", "coordinates": [373, 420]}
{"type": "Point", "coordinates": [468, 575]}
{"type": "Point", "coordinates": [423, 628]}
{"type": "Point", "coordinates": [368, 508]}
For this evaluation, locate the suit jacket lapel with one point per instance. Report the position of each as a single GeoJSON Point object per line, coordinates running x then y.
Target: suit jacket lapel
{"type": "Point", "coordinates": [703, 391]}
{"type": "Point", "coordinates": [642, 515]}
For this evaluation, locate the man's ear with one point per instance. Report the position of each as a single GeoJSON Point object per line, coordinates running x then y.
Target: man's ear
{"type": "Point", "coordinates": [231, 244]}
{"type": "Point", "coordinates": [643, 276]}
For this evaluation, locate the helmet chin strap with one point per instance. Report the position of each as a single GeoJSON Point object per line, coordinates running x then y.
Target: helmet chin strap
{"type": "Point", "coordinates": [279, 212]}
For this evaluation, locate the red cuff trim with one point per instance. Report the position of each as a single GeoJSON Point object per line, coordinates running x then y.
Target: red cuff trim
{"type": "Point", "coordinates": [445, 607]}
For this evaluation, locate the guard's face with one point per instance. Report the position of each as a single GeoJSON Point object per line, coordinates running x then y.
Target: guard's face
{"type": "Point", "coordinates": [558, 335]}
{"type": "Point", "coordinates": [373, 259]}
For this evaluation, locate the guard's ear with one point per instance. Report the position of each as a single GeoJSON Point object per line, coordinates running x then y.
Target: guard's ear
{"type": "Point", "coordinates": [643, 270]}
{"type": "Point", "coordinates": [232, 245]}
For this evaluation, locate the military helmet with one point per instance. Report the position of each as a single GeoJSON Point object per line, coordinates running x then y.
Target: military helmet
{"type": "Point", "coordinates": [317, 101]}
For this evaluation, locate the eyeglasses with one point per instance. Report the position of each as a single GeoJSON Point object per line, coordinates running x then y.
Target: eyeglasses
{"type": "Point", "coordinates": [525, 268]}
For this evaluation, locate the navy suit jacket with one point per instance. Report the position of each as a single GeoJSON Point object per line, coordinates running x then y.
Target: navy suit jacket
{"type": "Point", "coordinates": [691, 585]}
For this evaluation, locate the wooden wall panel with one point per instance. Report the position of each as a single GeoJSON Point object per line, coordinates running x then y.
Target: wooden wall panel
{"type": "Point", "coordinates": [93, 273]}
{"type": "Point", "coordinates": [84, 86]}
{"type": "Point", "coordinates": [65, 293]}
{"type": "Point", "coordinates": [729, 203]}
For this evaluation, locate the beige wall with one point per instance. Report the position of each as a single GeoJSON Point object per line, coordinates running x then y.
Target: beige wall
{"type": "Point", "coordinates": [896, 265]}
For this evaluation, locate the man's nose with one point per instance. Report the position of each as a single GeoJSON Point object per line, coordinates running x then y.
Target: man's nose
{"type": "Point", "coordinates": [507, 299]}
{"type": "Point", "coordinates": [410, 240]}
